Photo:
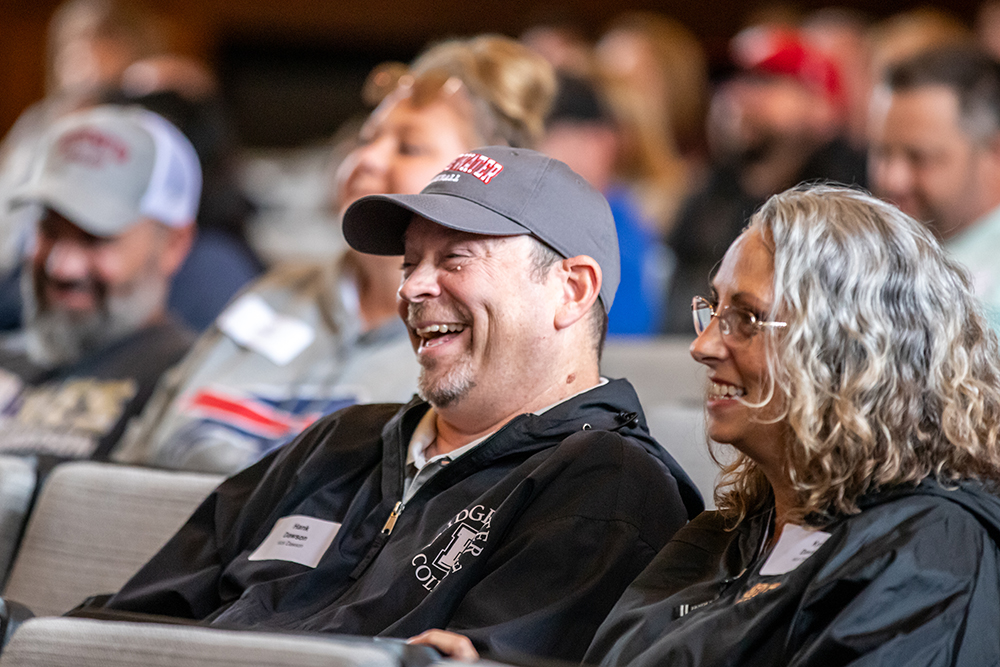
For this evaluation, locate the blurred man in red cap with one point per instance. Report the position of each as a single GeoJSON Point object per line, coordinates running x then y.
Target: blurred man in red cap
{"type": "Point", "coordinates": [779, 121]}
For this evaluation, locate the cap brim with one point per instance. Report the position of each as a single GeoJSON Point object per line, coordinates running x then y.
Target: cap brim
{"type": "Point", "coordinates": [377, 224]}
{"type": "Point", "coordinates": [92, 212]}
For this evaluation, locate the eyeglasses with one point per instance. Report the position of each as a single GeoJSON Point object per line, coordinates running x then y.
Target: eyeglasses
{"type": "Point", "coordinates": [392, 78]}
{"type": "Point", "coordinates": [739, 324]}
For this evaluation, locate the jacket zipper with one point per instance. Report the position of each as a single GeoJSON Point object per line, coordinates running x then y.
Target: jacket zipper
{"type": "Point", "coordinates": [378, 542]}
{"type": "Point", "coordinates": [390, 523]}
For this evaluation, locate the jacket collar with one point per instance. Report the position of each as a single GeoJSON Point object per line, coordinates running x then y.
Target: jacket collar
{"type": "Point", "coordinates": [613, 406]}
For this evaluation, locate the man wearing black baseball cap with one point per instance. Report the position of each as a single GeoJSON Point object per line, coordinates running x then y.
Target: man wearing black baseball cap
{"type": "Point", "coordinates": [513, 502]}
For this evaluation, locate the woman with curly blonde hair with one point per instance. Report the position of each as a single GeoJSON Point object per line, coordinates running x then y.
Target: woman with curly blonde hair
{"type": "Point", "coordinates": [853, 372]}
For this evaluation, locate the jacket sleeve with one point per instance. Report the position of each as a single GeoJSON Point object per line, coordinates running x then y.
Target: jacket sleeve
{"type": "Point", "coordinates": [192, 576]}
{"type": "Point", "coordinates": [925, 593]}
{"type": "Point", "coordinates": [568, 558]}
{"type": "Point", "coordinates": [550, 596]}
{"type": "Point", "coordinates": [186, 578]}
{"type": "Point", "coordinates": [183, 578]}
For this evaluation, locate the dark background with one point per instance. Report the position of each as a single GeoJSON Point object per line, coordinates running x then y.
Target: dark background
{"type": "Point", "coordinates": [291, 70]}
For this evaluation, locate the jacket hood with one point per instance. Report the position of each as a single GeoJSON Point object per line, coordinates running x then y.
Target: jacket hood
{"type": "Point", "coordinates": [613, 406]}
{"type": "Point", "coordinates": [975, 497]}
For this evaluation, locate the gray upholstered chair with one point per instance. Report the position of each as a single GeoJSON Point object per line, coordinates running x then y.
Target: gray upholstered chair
{"type": "Point", "coordinates": [93, 526]}
{"type": "Point", "coordinates": [58, 642]}
{"type": "Point", "coordinates": [660, 369]}
{"type": "Point", "coordinates": [18, 476]}
{"type": "Point", "coordinates": [671, 388]}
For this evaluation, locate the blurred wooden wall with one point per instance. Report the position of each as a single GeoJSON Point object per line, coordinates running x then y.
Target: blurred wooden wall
{"type": "Point", "coordinates": [201, 27]}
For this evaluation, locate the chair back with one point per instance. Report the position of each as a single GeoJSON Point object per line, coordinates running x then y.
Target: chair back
{"type": "Point", "coordinates": [671, 388]}
{"type": "Point", "coordinates": [18, 476]}
{"type": "Point", "coordinates": [93, 526]}
{"type": "Point", "coordinates": [661, 369]}
{"type": "Point", "coordinates": [82, 642]}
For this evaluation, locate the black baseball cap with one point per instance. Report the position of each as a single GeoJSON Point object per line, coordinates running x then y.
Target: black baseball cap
{"type": "Point", "coordinates": [499, 191]}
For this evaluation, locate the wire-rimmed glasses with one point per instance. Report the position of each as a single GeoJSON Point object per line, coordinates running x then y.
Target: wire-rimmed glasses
{"type": "Point", "coordinates": [738, 324]}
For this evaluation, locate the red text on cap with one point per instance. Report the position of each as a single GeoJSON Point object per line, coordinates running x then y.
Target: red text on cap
{"type": "Point", "coordinates": [480, 166]}
{"type": "Point", "coordinates": [93, 148]}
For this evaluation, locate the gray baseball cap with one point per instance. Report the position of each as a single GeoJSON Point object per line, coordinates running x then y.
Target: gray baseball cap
{"type": "Point", "coordinates": [498, 191]}
{"type": "Point", "coordinates": [105, 168]}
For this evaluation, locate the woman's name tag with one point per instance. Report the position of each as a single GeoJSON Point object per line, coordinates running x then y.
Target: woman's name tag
{"type": "Point", "coordinates": [794, 546]}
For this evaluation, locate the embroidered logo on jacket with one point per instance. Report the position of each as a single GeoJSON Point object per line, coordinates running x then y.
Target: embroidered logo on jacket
{"type": "Point", "coordinates": [466, 533]}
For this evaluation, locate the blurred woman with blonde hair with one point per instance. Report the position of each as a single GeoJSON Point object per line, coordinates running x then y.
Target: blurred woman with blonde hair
{"type": "Point", "coordinates": [655, 78]}
{"type": "Point", "coordinates": [456, 96]}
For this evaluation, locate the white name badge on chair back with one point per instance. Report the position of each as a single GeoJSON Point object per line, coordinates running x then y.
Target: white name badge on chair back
{"type": "Point", "coordinates": [297, 539]}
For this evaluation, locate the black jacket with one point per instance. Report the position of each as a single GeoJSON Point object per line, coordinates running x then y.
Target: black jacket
{"type": "Point", "coordinates": [914, 579]}
{"type": "Point", "coordinates": [524, 543]}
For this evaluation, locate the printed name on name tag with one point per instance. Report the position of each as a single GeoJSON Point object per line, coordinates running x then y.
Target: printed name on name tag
{"type": "Point", "coordinates": [297, 539]}
{"type": "Point", "coordinates": [252, 323]}
{"type": "Point", "coordinates": [794, 546]}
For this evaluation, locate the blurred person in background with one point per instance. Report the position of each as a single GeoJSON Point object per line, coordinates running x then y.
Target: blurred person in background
{"type": "Point", "coordinates": [987, 27]}
{"type": "Point", "coordinates": [304, 341]}
{"type": "Point", "coordinates": [581, 132]}
{"type": "Point", "coordinates": [221, 260]}
{"type": "Point", "coordinates": [778, 122]}
{"type": "Point", "coordinates": [907, 34]}
{"type": "Point", "coordinates": [104, 51]}
{"type": "Point", "coordinates": [841, 35]}
{"type": "Point", "coordinates": [90, 43]}
{"type": "Point", "coordinates": [561, 40]}
{"type": "Point", "coordinates": [935, 153]}
{"type": "Point", "coordinates": [654, 75]}
{"type": "Point", "coordinates": [115, 193]}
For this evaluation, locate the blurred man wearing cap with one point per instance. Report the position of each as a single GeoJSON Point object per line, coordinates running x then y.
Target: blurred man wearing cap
{"type": "Point", "coordinates": [513, 502]}
{"type": "Point", "coordinates": [116, 191]}
{"type": "Point", "coordinates": [780, 121]}
{"type": "Point", "coordinates": [935, 153]}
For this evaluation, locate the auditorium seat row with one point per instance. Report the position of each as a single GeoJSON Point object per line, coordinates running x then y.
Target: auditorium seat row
{"type": "Point", "coordinates": [94, 524]}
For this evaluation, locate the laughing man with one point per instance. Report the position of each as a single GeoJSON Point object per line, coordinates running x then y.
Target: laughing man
{"type": "Point", "coordinates": [513, 501]}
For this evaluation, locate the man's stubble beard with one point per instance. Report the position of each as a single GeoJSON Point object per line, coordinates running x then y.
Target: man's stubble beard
{"type": "Point", "coordinates": [454, 384]}
{"type": "Point", "coordinates": [55, 337]}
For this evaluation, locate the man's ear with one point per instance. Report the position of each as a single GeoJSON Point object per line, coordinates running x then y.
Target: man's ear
{"type": "Point", "coordinates": [176, 245]}
{"type": "Point", "coordinates": [581, 284]}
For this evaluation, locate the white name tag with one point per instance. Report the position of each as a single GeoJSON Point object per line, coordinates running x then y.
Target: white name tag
{"type": "Point", "coordinates": [252, 323]}
{"type": "Point", "coordinates": [794, 546]}
{"type": "Point", "coordinates": [297, 539]}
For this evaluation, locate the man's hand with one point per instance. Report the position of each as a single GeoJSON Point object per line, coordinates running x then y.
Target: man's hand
{"type": "Point", "coordinates": [450, 644]}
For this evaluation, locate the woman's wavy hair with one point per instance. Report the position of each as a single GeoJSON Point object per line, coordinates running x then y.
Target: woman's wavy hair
{"type": "Point", "coordinates": [887, 372]}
